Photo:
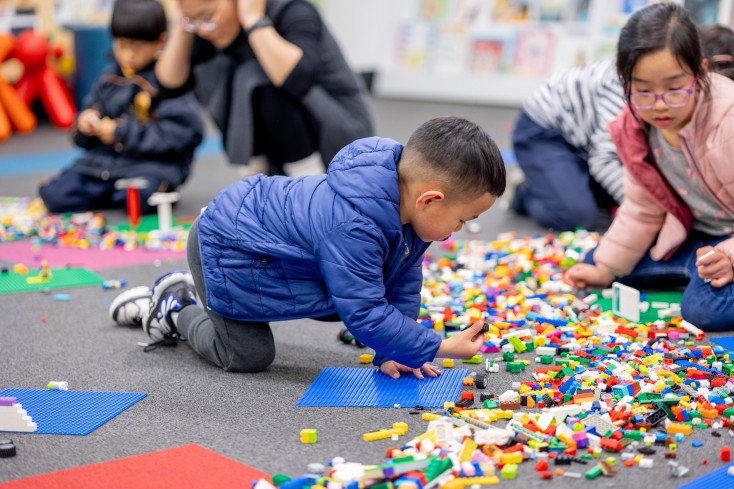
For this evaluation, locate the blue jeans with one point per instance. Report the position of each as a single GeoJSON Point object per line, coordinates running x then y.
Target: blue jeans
{"type": "Point", "coordinates": [559, 192]}
{"type": "Point", "coordinates": [709, 308]}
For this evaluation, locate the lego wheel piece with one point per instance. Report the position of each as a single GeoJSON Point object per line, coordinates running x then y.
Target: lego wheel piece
{"type": "Point", "coordinates": [7, 448]}
{"type": "Point", "coordinates": [345, 336]}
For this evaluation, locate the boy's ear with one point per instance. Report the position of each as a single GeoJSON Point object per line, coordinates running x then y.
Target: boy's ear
{"type": "Point", "coordinates": [427, 198]}
{"type": "Point", "coordinates": [704, 64]}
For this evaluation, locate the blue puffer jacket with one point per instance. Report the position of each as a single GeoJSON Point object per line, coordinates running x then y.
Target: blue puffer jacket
{"type": "Point", "coordinates": [275, 248]}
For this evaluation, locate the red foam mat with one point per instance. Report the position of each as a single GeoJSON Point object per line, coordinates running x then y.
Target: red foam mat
{"type": "Point", "coordinates": [189, 466]}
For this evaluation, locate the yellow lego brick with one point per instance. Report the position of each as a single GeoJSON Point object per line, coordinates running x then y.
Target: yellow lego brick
{"type": "Point", "coordinates": [448, 362]}
{"type": "Point", "coordinates": [524, 389]}
{"type": "Point", "coordinates": [686, 429]}
{"type": "Point", "coordinates": [467, 450]}
{"type": "Point", "coordinates": [381, 435]}
{"type": "Point", "coordinates": [430, 435]}
{"type": "Point", "coordinates": [468, 380]}
{"type": "Point", "coordinates": [308, 436]}
{"type": "Point", "coordinates": [447, 405]}
{"type": "Point", "coordinates": [400, 426]}
{"type": "Point", "coordinates": [366, 358]}
{"type": "Point", "coordinates": [430, 416]}
{"type": "Point", "coordinates": [511, 458]}
{"type": "Point", "coordinates": [539, 341]}
{"type": "Point", "coordinates": [653, 359]}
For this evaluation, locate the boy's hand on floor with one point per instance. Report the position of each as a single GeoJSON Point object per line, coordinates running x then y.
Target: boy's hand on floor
{"type": "Point", "coordinates": [714, 266]}
{"type": "Point", "coordinates": [583, 275]}
{"type": "Point", "coordinates": [393, 369]}
{"type": "Point", "coordinates": [464, 344]}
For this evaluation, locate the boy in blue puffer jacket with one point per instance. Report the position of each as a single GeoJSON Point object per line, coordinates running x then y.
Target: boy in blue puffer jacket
{"type": "Point", "coordinates": [347, 245]}
{"type": "Point", "coordinates": [129, 130]}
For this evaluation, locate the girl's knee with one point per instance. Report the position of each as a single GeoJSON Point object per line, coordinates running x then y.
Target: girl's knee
{"type": "Point", "coordinates": [706, 314]}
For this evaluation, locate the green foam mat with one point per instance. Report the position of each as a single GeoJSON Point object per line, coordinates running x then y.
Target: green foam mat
{"type": "Point", "coordinates": [150, 223]}
{"type": "Point", "coordinates": [12, 282]}
{"type": "Point", "coordinates": [651, 314]}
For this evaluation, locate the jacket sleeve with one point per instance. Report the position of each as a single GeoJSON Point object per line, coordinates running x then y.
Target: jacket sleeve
{"type": "Point", "coordinates": [351, 258]}
{"type": "Point", "coordinates": [91, 101]}
{"type": "Point", "coordinates": [176, 127]}
{"type": "Point", "coordinates": [632, 232]}
{"type": "Point", "coordinates": [604, 164]}
{"type": "Point", "coordinates": [300, 24]}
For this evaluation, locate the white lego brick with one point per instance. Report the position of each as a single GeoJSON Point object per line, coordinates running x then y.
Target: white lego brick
{"type": "Point", "coordinates": [546, 350]}
{"type": "Point", "coordinates": [15, 418]}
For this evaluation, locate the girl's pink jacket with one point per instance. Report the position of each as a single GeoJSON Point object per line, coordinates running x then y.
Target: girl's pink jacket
{"type": "Point", "coordinates": [652, 212]}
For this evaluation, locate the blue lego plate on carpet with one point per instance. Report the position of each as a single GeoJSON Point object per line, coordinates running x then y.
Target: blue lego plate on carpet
{"type": "Point", "coordinates": [726, 342]}
{"type": "Point", "coordinates": [718, 479]}
{"type": "Point", "coordinates": [71, 412]}
{"type": "Point", "coordinates": [367, 387]}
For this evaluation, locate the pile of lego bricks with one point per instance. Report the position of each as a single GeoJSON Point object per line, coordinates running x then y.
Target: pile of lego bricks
{"type": "Point", "coordinates": [606, 394]}
{"type": "Point", "coordinates": [84, 230]}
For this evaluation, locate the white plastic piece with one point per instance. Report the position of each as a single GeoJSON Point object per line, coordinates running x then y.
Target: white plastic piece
{"type": "Point", "coordinates": [546, 350]}
{"type": "Point", "coordinates": [164, 200]}
{"type": "Point", "coordinates": [444, 432]}
{"type": "Point", "coordinates": [15, 418]}
{"type": "Point", "coordinates": [626, 302]}
{"type": "Point", "coordinates": [690, 328]}
{"type": "Point", "coordinates": [572, 475]}
{"type": "Point", "coordinates": [493, 436]}
{"type": "Point", "coordinates": [264, 484]}
{"type": "Point", "coordinates": [645, 463]}
{"type": "Point", "coordinates": [56, 385]}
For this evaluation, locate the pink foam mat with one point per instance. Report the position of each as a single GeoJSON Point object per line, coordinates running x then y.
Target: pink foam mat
{"type": "Point", "coordinates": [91, 258]}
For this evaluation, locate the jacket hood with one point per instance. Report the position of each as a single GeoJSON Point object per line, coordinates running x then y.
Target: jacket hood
{"type": "Point", "coordinates": [365, 174]}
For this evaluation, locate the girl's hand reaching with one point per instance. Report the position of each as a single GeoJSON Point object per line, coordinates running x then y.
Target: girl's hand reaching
{"type": "Point", "coordinates": [714, 266]}
{"type": "Point", "coordinates": [393, 369]}
{"type": "Point", "coordinates": [583, 275]}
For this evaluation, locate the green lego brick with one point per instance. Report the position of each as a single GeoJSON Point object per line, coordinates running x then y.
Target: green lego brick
{"type": "Point", "coordinates": [517, 344]}
{"type": "Point", "coordinates": [491, 404]}
{"type": "Point", "coordinates": [474, 359]}
{"type": "Point", "coordinates": [648, 397]}
{"type": "Point", "coordinates": [546, 359]}
{"type": "Point", "coordinates": [593, 472]}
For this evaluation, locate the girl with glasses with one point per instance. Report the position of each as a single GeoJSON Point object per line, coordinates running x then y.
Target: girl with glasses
{"type": "Point", "coordinates": [270, 75]}
{"type": "Point", "coordinates": [675, 138]}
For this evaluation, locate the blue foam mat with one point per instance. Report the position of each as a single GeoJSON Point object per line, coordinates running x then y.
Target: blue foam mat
{"type": "Point", "coordinates": [71, 412]}
{"type": "Point", "coordinates": [718, 479]}
{"type": "Point", "coordinates": [367, 387]}
{"type": "Point", "coordinates": [726, 342]}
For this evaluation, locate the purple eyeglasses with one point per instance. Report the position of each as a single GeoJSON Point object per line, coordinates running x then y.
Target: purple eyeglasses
{"type": "Point", "coordinates": [672, 98]}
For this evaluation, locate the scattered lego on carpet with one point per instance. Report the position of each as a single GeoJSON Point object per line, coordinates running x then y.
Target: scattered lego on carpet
{"type": "Point", "coordinates": [596, 394]}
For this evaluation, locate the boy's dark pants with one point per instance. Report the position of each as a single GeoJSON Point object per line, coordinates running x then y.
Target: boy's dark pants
{"type": "Point", "coordinates": [72, 191]}
{"type": "Point", "coordinates": [235, 346]}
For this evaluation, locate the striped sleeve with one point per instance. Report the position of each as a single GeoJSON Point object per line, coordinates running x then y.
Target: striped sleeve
{"type": "Point", "coordinates": [579, 102]}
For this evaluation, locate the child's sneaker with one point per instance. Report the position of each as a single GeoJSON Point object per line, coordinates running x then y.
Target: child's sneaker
{"type": "Point", "coordinates": [128, 308]}
{"type": "Point", "coordinates": [171, 292]}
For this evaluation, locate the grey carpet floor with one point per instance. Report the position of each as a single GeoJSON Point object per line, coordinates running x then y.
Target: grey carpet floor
{"type": "Point", "coordinates": [250, 418]}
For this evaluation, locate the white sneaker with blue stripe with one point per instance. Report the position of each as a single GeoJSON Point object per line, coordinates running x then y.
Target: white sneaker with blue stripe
{"type": "Point", "coordinates": [171, 292]}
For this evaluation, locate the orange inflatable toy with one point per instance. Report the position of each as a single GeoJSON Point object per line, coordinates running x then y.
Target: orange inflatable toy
{"type": "Point", "coordinates": [41, 80]}
{"type": "Point", "coordinates": [14, 112]}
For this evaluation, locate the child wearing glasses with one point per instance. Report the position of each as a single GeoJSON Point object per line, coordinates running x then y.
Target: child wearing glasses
{"type": "Point", "coordinates": [675, 139]}
{"type": "Point", "coordinates": [128, 130]}
{"type": "Point", "coordinates": [271, 76]}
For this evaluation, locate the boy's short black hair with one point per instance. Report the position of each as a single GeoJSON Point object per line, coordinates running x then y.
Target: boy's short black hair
{"type": "Point", "coordinates": [461, 156]}
{"type": "Point", "coordinates": [144, 20]}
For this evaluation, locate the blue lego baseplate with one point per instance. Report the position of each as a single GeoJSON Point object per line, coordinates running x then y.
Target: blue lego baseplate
{"type": "Point", "coordinates": [718, 479]}
{"type": "Point", "coordinates": [71, 412]}
{"type": "Point", "coordinates": [726, 342]}
{"type": "Point", "coordinates": [366, 387]}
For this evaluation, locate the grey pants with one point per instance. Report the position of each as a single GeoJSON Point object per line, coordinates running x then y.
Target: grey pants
{"type": "Point", "coordinates": [235, 346]}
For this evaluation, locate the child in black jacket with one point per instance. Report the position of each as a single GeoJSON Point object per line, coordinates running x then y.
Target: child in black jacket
{"type": "Point", "coordinates": [126, 128]}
